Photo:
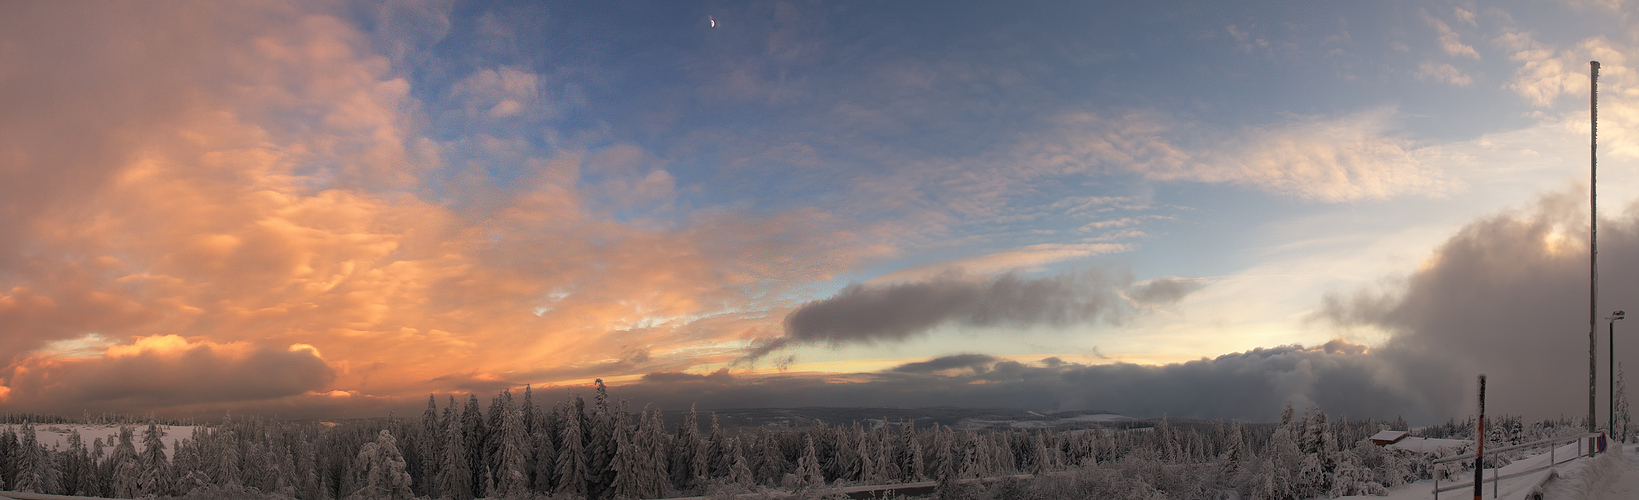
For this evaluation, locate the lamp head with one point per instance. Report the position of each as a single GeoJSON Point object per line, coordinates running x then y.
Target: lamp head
{"type": "Point", "coordinates": [1617, 315]}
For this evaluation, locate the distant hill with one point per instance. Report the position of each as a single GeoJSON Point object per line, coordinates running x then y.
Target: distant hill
{"type": "Point", "coordinates": [977, 418]}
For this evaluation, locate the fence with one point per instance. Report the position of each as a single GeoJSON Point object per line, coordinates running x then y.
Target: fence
{"type": "Point", "coordinates": [1553, 445]}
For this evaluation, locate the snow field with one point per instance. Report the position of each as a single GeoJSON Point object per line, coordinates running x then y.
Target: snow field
{"type": "Point", "coordinates": [56, 435]}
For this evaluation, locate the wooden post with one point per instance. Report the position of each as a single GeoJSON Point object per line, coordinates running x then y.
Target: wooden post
{"type": "Point", "coordinates": [1479, 442]}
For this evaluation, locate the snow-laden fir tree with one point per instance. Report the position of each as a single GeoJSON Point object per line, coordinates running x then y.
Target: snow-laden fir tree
{"type": "Point", "coordinates": [866, 473]}
{"type": "Point", "coordinates": [545, 442]}
{"type": "Point", "coordinates": [600, 441]}
{"type": "Point", "coordinates": [454, 479]}
{"type": "Point", "coordinates": [808, 468]}
{"type": "Point", "coordinates": [432, 438]}
{"type": "Point", "coordinates": [80, 478]}
{"type": "Point", "coordinates": [382, 469]}
{"type": "Point", "coordinates": [571, 466]}
{"type": "Point", "coordinates": [739, 473]}
{"type": "Point", "coordinates": [910, 453]}
{"type": "Point", "coordinates": [473, 431]}
{"type": "Point", "coordinates": [224, 447]}
{"type": "Point", "coordinates": [1624, 415]}
{"type": "Point", "coordinates": [28, 459]}
{"type": "Point", "coordinates": [651, 442]}
{"type": "Point", "coordinates": [770, 457]}
{"type": "Point", "coordinates": [684, 449]}
{"type": "Point", "coordinates": [8, 458]}
{"type": "Point", "coordinates": [512, 478]}
{"type": "Point", "coordinates": [627, 467]}
{"type": "Point", "coordinates": [124, 468]}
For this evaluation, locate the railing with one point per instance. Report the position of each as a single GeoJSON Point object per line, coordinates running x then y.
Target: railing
{"type": "Point", "coordinates": [1496, 479]}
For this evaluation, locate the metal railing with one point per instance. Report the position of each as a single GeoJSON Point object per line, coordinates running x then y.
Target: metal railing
{"type": "Point", "coordinates": [1496, 478]}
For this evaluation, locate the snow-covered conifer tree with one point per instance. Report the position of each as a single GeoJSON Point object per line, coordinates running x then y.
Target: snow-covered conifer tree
{"type": "Point", "coordinates": [8, 458]}
{"type": "Point", "coordinates": [546, 452]}
{"type": "Point", "coordinates": [627, 466]}
{"type": "Point", "coordinates": [156, 468]}
{"type": "Point", "coordinates": [384, 474]}
{"type": "Point", "coordinates": [512, 478]}
{"type": "Point", "coordinates": [717, 454]}
{"type": "Point", "coordinates": [651, 442]}
{"type": "Point", "coordinates": [571, 466]}
{"type": "Point", "coordinates": [808, 468]}
{"type": "Point", "coordinates": [771, 459]}
{"type": "Point", "coordinates": [684, 449]}
{"type": "Point", "coordinates": [910, 453]}
{"type": "Point", "coordinates": [454, 479]}
{"type": "Point", "coordinates": [124, 467]}
{"type": "Point", "coordinates": [473, 431]}
{"type": "Point", "coordinates": [867, 460]}
{"type": "Point", "coordinates": [432, 437]}
{"type": "Point", "coordinates": [740, 471]}
{"type": "Point", "coordinates": [1624, 415]}
{"type": "Point", "coordinates": [80, 478]}
{"type": "Point", "coordinates": [29, 459]}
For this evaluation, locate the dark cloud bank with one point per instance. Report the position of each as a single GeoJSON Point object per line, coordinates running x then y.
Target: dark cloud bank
{"type": "Point", "coordinates": [1506, 296]}
{"type": "Point", "coordinates": [898, 311]}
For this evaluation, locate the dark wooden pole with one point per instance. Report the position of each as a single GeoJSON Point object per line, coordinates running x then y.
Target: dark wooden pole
{"type": "Point", "coordinates": [1479, 441]}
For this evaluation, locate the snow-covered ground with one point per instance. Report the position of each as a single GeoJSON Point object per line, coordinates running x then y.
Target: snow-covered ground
{"type": "Point", "coordinates": [1626, 486]}
{"type": "Point", "coordinates": [56, 435]}
{"type": "Point", "coordinates": [1612, 476]}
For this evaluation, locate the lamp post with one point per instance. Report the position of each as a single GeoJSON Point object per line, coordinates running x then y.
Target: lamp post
{"type": "Point", "coordinates": [1611, 425]}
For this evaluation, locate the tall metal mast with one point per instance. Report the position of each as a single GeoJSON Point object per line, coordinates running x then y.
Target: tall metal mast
{"type": "Point", "coordinates": [1593, 240]}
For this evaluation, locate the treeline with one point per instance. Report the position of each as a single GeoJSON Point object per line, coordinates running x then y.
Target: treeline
{"type": "Point", "coordinates": [600, 449]}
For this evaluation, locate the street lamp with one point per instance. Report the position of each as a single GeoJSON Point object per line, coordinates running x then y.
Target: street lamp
{"type": "Point", "coordinates": [1611, 425]}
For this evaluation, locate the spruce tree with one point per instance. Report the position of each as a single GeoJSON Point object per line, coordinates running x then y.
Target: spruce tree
{"type": "Point", "coordinates": [432, 437]}
{"type": "Point", "coordinates": [225, 448]}
{"type": "Point", "coordinates": [29, 458]}
{"type": "Point", "coordinates": [739, 473]}
{"type": "Point", "coordinates": [512, 478]}
{"type": "Point", "coordinates": [717, 454]}
{"type": "Point", "coordinates": [473, 430]}
{"type": "Point", "coordinates": [944, 456]}
{"type": "Point", "coordinates": [808, 468]}
{"type": "Point", "coordinates": [571, 466]}
{"type": "Point", "coordinates": [156, 468]}
{"type": "Point", "coordinates": [546, 452]}
{"type": "Point", "coordinates": [384, 474]}
{"type": "Point", "coordinates": [1624, 415]}
{"type": "Point", "coordinates": [686, 446]}
{"type": "Point", "coordinates": [654, 443]}
{"type": "Point", "coordinates": [125, 468]}
{"type": "Point", "coordinates": [627, 467]}
{"type": "Point", "coordinates": [454, 480]}
{"type": "Point", "coordinates": [8, 459]}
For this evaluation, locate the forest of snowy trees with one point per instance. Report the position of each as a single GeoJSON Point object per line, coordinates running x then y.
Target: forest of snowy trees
{"type": "Point", "coordinates": [519, 448]}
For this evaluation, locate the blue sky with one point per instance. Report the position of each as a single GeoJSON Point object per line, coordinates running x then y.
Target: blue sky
{"type": "Point", "coordinates": [442, 197]}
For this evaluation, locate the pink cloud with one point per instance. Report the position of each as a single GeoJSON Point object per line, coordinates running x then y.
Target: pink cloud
{"type": "Point", "coordinates": [274, 197]}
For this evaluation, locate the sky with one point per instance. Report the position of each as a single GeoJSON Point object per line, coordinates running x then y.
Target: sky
{"type": "Point", "coordinates": [1202, 209]}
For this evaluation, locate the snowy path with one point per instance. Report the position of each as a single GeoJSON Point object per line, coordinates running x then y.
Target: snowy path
{"type": "Point", "coordinates": [1568, 481]}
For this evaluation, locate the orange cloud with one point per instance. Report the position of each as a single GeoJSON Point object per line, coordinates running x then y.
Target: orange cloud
{"type": "Point", "coordinates": [274, 205]}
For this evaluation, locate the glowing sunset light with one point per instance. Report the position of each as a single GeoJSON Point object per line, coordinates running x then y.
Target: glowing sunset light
{"type": "Point", "coordinates": [1130, 208]}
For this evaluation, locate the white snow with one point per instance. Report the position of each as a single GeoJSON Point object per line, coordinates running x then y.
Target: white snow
{"type": "Point", "coordinates": [56, 435]}
{"type": "Point", "coordinates": [1611, 476]}
{"type": "Point", "coordinates": [1429, 445]}
{"type": "Point", "coordinates": [1626, 485]}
